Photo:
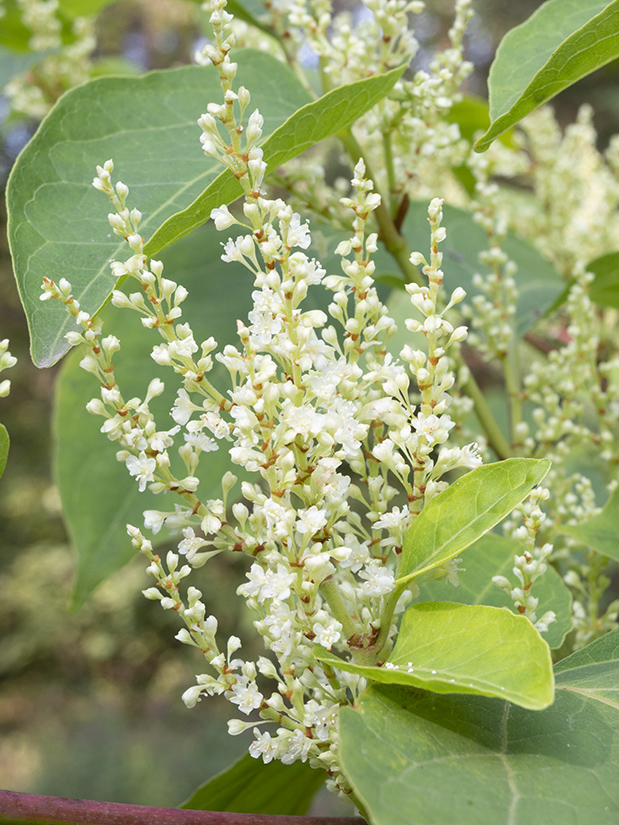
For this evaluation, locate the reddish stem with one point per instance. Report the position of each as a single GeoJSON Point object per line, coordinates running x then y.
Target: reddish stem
{"type": "Point", "coordinates": [28, 808]}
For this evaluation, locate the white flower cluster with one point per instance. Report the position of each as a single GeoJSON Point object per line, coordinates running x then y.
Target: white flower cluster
{"type": "Point", "coordinates": [40, 17]}
{"type": "Point", "coordinates": [346, 442]}
{"type": "Point", "coordinates": [310, 404]}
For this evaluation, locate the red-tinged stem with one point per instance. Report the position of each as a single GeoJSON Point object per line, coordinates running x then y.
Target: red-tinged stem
{"type": "Point", "coordinates": [28, 809]}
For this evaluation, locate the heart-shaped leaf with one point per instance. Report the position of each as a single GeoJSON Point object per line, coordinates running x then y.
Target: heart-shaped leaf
{"type": "Point", "coordinates": [414, 757]}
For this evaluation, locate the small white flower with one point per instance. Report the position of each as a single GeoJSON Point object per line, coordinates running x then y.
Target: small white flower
{"type": "Point", "coordinates": [311, 521]}
{"type": "Point", "coordinates": [222, 217]}
{"type": "Point", "coordinates": [263, 746]}
{"type": "Point", "coordinates": [327, 635]}
{"type": "Point", "coordinates": [379, 580]}
{"type": "Point", "coordinates": [143, 468]}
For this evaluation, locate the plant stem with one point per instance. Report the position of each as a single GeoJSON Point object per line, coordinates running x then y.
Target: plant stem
{"type": "Point", "coordinates": [388, 149]}
{"type": "Point", "coordinates": [511, 371]}
{"type": "Point", "coordinates": [29, 809]}
{"type": "Point", "coordinates": [495, 437]}
{"type": "Point", "coordinates": [330, 591]}
{"type": "Point", "coordinates": [386, 618]}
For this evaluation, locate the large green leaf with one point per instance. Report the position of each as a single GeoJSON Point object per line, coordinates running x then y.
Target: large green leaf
{"type": "Point", "coordinates": [460, 648]}
{"type": "Point", "coordinates": [415, 758]}
{"type": "Point", "coordinates": [98, 495]}
{"type": "Point", "coordinates": [561, 42]}
{"type": "Point", "coordinates": [250, 786]}
{"type": "Point", "coordinates": [4, 448]}
{"type": "Point", "coordinates": [462, 513]}
{"type": "Point", "coordinates": [493, 555]}
{"type": "Point", "coordinates": [604, 289]}
{"type": "Point", "coordinates": [602, 531]}
{"type": "Point", "coordinates": [309, 125]}
{"type": "Point", "coordinates": [539, 284]}
{"type": "Point", "coordinates": [57, 220]}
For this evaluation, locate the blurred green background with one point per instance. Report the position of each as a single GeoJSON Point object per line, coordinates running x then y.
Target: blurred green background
{"type": "Point", "coordinates": [90, 702]}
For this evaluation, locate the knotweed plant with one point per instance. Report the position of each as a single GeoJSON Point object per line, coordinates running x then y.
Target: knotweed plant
{"type": "Point", "coordinates": [332, 426]}
{"type": "Point", "coordinates": [359, 426]}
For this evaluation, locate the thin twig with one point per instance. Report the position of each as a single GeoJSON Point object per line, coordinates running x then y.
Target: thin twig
{"type": "Point", "coordinates": [29, 809]}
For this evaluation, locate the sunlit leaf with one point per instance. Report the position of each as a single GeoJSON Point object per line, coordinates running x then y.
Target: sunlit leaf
{"type": "Point", "coordinates": [462, 513]}
{"type": "Point", "coordinates": [460, 648]}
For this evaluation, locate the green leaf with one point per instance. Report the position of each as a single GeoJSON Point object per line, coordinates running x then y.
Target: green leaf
{"type": "Point", "coordinates": [459, 648]}
{"type": "Point", "coordinates": [602, 531]}
{"type": "Point", "coordinates": [57, 220]}
{"type": "Point", "coordinates": [604, 289]}
{"type": "Point", "coordinates": [539, 284]}
{"type": "Point", "coordinates": [250, 786]}
{"type": "Point", "coordinates": [462, 513]}
{"type": "Point", "coordinates": [561, 42]}
{"type": "Point", "coordinates": [593, 671]}
{"type": "Point", "coordinates": [309, 125]}
{"type": "Point", "coordinates": [415, 758]}
{"type": "Point", "coordinates": [493, 555]}
{"type": "Point", "coordinates": [98, 495]}
{"type": "Point", "coordinates": [4, 448]}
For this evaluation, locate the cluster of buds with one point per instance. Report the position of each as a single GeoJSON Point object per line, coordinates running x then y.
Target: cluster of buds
{"type": "Point", "coordinates": [6, 362]}
{"type": "Point", "coordinates": [529, 566]}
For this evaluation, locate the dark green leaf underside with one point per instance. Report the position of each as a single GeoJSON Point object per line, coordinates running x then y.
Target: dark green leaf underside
{"type": "Point", "coordinates": [250, 786]}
